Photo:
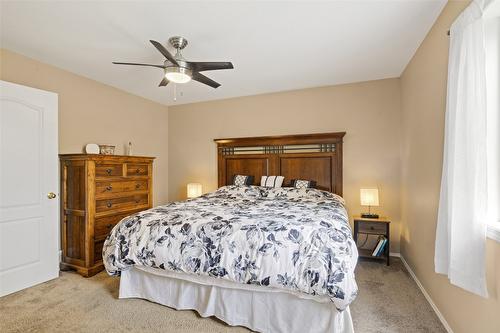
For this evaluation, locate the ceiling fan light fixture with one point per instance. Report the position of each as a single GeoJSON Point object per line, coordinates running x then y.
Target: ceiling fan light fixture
{"type": "Point", "coordinates": [178, 74]}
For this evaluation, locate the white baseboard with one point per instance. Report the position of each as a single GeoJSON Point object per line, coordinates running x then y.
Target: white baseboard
{"type": "Point", "coordinates": [60, 256]}
{"type": "Point", "coordinates": [426, 295]}
{"type": "Point", "coordinates": [395, 254]}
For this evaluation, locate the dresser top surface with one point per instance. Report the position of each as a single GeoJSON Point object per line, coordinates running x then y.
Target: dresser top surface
{"type": "Point", "coordinates": [101, 156]}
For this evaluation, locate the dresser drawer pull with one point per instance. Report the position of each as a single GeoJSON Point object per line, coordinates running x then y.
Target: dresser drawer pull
{"type": "Point", "coordinates": [372, 228]}
{"type": "Point", "coordinates": [137, 186]}
{"type": "Point", "coordinates": [109, 188]}
{"type": "Point", "coordinates": [137, 170]}
{"type": "Point", "coordinates": [109, 226]}
{"type": "Point", "coordinates": [109, 204]}
{"type": "Point", "coordinates": [137, 201]}
{"type": "Point", "coordinates": [108, 171]}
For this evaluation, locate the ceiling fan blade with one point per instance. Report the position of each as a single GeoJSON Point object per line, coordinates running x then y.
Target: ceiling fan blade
{"type": "Point", "coordinates": [205, 80]}
{"type": "Point", "coordinates": [210, 66]}
{"type": "Point", "coordinates": [135, 64]}
{"type": "Point", "coordinates": [163, 82]}
{"type": "Point", "coordinates": [164, 51]}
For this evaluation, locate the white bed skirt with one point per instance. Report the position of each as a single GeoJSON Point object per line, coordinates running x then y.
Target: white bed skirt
{"type": "Point", "coordinates": [260, 311]}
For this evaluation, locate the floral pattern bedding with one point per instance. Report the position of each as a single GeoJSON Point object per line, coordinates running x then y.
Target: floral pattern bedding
{"type": "Point", "coordinates": [287, 238]}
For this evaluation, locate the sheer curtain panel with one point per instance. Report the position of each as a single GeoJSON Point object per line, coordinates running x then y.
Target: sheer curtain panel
{"type": "Point", "coordinates": [462, 217]}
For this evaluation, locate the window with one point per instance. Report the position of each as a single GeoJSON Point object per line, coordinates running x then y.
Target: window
{"type": "Point", "coordinates": [492, 44]}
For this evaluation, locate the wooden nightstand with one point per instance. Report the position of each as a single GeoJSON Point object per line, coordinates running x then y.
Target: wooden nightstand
{"type": "Point", "coordinates": [380, 226]}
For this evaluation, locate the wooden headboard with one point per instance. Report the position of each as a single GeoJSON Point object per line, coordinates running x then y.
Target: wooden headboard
{"type": "Point", "coordinates": [315, 157]}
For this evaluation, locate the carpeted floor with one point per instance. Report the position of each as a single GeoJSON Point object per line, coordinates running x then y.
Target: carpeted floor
{"type": "Point", "coordinates": [388, 301]}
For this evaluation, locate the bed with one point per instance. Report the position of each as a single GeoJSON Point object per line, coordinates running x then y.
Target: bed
{"type": "Point", "coordinates": [270, 259]}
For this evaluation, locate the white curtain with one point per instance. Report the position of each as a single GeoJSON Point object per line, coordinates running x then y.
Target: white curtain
{"type": "Point", "coordinates": [462, 217]}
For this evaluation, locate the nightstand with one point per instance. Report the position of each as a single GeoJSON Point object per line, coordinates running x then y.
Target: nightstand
{"type": "Point", "coordinates": [365, 226]}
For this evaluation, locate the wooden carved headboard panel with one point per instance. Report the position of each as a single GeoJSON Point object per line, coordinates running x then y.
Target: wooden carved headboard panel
{"type": "Point", "coordinates": [315, 157]}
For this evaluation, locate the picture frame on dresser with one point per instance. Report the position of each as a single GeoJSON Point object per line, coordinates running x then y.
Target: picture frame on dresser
{"type": "Point", "coordinates": [97, 191]}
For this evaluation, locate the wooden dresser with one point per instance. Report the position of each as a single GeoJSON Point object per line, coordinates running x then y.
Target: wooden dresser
{"type": "Point", "coordinates": [97, 191]}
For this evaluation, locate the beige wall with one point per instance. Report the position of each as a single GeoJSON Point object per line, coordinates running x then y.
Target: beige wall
{"type": "Point", "coordinates": [90, 111]}
{"type": "Point", "coordinates": [394, 141]}
{"type": "Point", "coordinates": [423, 88]}
{"type": "Point", "coordinates": [369, 112]}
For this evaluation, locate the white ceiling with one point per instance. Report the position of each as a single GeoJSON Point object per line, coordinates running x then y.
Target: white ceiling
{"type": "Point", "coordinates": [274, 46]}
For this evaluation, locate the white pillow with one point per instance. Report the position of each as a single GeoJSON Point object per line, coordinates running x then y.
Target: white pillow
{"type": "Point", "coordinates": [271, 181]}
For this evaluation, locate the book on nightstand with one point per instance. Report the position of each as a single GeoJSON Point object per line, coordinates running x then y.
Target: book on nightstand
{"type": "Point", "coordinates": [379, 249]}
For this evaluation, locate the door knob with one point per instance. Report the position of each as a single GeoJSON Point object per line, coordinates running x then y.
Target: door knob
{"type": "Point", "coordinates": [51, 195]}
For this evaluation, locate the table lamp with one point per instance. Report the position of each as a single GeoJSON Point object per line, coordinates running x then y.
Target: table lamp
{"type": "Point", "coordinates": [193, 190]}
{"type": "Point", "coordinates": [369, 197]}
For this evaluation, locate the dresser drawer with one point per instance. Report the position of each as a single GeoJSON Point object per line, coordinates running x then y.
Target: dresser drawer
{"type": "Point", "coordinates": [103, 225]}
{"type": "Point", "coordinates": [137, 170]}
{"type": "Point", "coordinates": [103, 188]}
{"type": "Point", "coordinates": [125, 202]}
{"type": "Point", "coordinates": [372, 227]}
{"type": "Point", "coordinates": [109, 170]}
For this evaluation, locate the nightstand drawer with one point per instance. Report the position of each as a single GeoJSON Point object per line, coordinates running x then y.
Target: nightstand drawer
{"type": "Point", "coordinates": [372, 227]}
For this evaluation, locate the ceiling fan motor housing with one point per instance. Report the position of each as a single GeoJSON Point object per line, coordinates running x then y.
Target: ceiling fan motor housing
{"type": "Point", "coordinates": [181, 61]}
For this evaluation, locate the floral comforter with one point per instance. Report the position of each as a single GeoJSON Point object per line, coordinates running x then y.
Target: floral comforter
{"type": "Point", "coordinates": [286, 238]}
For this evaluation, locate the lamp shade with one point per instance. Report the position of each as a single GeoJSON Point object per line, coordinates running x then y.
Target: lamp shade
{"type": "Point", "coordinates": [369, 196]}
{"type": "Point", "coordinates": [193, 190]}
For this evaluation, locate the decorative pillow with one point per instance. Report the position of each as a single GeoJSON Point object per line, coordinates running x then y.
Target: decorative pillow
{"type": "Point", "coordinates": [242, 180]}
{"type": "Point", "coordinates": [271, 181]}
{"type": "Point", "coordinates": [301, 183]}
{"type": "Point", "coordinates": [237, 191]}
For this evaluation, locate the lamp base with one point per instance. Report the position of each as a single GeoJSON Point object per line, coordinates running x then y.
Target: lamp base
{"type": "Point", "coordinates": [369, 216]}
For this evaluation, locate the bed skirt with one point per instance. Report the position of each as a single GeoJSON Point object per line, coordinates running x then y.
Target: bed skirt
{"type": "Point", "coordinates": [259, 311]}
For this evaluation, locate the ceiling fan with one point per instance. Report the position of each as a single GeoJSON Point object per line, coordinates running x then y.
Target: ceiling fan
{"type": "Point", "coordinates": [179, 70]}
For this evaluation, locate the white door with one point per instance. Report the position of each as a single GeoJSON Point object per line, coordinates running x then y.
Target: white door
{"type": "Point", "coordinates": [29, 215]}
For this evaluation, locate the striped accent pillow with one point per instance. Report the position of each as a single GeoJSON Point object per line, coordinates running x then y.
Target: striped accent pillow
{"type": "Point", "coordinates": [241, 180]}
{"type": "Point", "coordinates": [271, 181]}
